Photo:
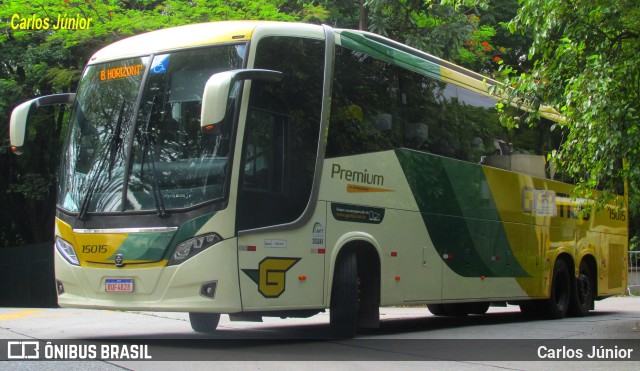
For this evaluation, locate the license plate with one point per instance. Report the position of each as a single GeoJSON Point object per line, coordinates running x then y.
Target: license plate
{"type": "Point", "coordinates": [118, 285]}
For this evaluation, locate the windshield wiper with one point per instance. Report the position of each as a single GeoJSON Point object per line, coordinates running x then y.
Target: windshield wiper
{"type": "Point", "coordinates": [146, 141]}
{"type": "Point", "coordinates": [112, 148]}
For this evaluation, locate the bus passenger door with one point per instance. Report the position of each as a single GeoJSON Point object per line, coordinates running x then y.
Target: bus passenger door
{"type": "Point", "coordinates": [280, 226]}
{"type": "Point", "coordinates": [280, 267]}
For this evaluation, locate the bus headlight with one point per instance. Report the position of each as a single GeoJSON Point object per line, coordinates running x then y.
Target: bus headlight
{"type": "Point", "coordinates": [67, 251]}
{"type": "Point", "coordinates": [193, 246]}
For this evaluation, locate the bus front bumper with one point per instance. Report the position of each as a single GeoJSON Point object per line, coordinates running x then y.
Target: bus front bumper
{"type": "Point", "coordinates": [207, 282]}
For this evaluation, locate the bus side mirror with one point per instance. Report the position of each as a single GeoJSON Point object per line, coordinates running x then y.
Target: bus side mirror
{"type": "Point", "coordinates": [20, 115]}
{"type": "Point", "coordinates": [217, 91]}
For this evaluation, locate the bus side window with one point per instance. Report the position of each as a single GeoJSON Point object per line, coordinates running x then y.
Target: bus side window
{"type": "Point", "coordinates": [365, 111]}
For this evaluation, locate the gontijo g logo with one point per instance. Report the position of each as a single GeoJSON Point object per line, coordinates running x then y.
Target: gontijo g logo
{"type": "Point", "coordinates": [271, 275]}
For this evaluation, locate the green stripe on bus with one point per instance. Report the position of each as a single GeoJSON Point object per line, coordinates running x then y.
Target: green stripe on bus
{"type": "Point", "coordinates": [460, 215]}
{"type": "Point", "coordinates": [144, 246]}
{"type": "Point", "coordinates": [358, 42]}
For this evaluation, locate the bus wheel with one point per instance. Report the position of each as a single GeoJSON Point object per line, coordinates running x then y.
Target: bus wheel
{"type": "Point", "coordinates": [477, 308]}
{"type": "Point", "coordinates": [558, 302]}
{"type": "Point", "coordinates": [343, 313]}
{"type": "Point", "coordinates": [531, 309]}
{"type": "Point", "coordinates": [452, 309]}
{"type": "Point", "coordinates": [456, 309]}
{"type": "Point", "coordinates": [437, 309]}
{"type": "Point", "coordinates": [204, 322]}
{"type": "Point", "coordinates": [582, 293]}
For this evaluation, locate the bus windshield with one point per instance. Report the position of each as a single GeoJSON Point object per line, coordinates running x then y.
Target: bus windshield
{"type": "Point", "coordinates": [135, 142]}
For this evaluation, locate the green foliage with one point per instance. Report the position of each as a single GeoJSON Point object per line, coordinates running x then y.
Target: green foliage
{"type": "Point", "coordinates": [585, 57]}
{"type": "Point", "coordinates": [634, 244]}
{"type": "Point", "coordinates": [32, 186]}
{"type": "Point", "coordinates": [461, 31]}
{"type": "Point", "coordinates": [437, 28]}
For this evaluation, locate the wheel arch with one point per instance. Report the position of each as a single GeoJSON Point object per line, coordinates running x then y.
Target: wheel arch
{"type": "Point", "coordinates": [571, 267]}
{"type": "Point", "coordinates": [368, 258]}
{"type": "Point", "coordinates": [568, 259]}
{"type": "Point", "coordinates": [590, 259]}
{"type": "Point", "coordinates": [364, 245]}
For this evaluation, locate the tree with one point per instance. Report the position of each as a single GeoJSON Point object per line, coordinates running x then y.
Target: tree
{"type": "Point", "coordinates": [585, 65]}
{"type": "Point", "coordinates": [510, 48]}
{"type": "Point", "coordinates": [438, 27]}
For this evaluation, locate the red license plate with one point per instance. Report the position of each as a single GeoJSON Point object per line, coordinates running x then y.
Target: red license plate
{"type": "Point", "coordinates": [118, 285]}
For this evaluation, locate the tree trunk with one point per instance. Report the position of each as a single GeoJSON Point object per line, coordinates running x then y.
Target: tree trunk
{"type": "Point", "coordinates": [364, 15]}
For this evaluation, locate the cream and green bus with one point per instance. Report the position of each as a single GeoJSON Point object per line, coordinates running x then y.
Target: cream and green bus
{"type": "Point", "coordinates": [280, 169]}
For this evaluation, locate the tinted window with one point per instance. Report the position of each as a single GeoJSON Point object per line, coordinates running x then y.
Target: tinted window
{"type": "Point", "coordinates": [378, 106]}
{"type": "Point", "coordinates": [364, 106]}
{"type": "Point", "coordinates": [281, 134]}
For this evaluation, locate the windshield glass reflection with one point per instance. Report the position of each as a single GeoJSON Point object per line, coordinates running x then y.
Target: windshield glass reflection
{"type": "Point", "coordinates": [159, 155]}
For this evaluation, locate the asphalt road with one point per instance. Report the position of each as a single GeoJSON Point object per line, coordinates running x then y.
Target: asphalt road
{"type": "Point", "coordinates": [409, 338]}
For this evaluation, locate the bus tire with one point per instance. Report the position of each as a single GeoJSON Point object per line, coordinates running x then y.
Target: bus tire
{"type": "Point", "coordinates": [437, 309]}
{"type": "Point", "coordinates": [557, 305]}
{"type": "Point", "coordinates": [343, 314]}
{"type": "Point", "coordinates": [456, 309]}
{"type": "Point", "coordinates": [204, 322]}
{"type": "Point", "coordinates": [452, 309]}
{"type": "Point", "coordinates": [477, 308]}
{"type": "Point", "coordinates": [531, 308]}
{"type": "Point", "coordinates": [583, 292]}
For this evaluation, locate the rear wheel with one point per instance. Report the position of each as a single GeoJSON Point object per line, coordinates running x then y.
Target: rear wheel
{"type": "Point", "coordinates": [478, 308]}
{"type": "Point", "coordinates": [343, 313]}
{"type": "Point", "coordinates": [456, 309]}
{"type": "Point", "coordinates": [204, 322]}
{"type": "Point", "coordinates": [583, 292]}
{"type": "Point", "coordinates": [437, 309]}
{"type": "Point", "coordinates": [530, 309]}
{"type": "Point", "coordinates": [452, 309]}
{"type": "Point", "coordinates": [558, 303]}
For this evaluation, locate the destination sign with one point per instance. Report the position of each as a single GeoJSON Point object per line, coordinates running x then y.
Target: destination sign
{"type": "Point", "coordinates": [120, 72]}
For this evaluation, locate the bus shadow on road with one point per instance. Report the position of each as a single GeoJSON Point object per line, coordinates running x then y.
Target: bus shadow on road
{"type": "Point", "coordinates": [416, 338]}
{"type": "Point", "coordinates": [399, 326]}
{"type": "Point", "coordinates": [430, 326]}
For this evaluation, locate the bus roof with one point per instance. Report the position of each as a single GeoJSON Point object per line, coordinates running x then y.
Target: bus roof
{"type": "Point", "coordinates": [424, 63]}
{"type": "Point", "coordinates": [188, 36]}
{"type": "Point", "coordinates": [202, 34]}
